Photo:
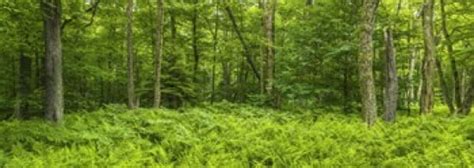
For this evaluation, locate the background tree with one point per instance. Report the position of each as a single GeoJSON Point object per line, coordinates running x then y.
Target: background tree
{"type": "Point", "coordinates": [130, 54]}
{"type": "Point", "coordinates": [158, 52]}
{"type": "Point", "coordinates": [391, 78]}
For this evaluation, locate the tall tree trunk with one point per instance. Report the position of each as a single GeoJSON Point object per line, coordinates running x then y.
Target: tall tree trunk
{"type": "Point", "coordinates": [214, 46]}
{"type": "Point", "coordinates": [131, 57]}
{"type": "Point", "coordinates": [195, 37]}
{"type": "Point", "coordinates": [158, 53]}
{"type": "Point", "coordinates": [24, 87]}
{"type": "Point", "coordinates": [263, 50]}
{"type": "Point", "coordinates": [269, 13]}
{"type": "Point", "coordinates": [53, 63]}
{"type": "Point", "coordinates": [411, 67]}
{"type": "Point", "coordinates": [366, 77]}
{"type": "Point", "coordinates": [427, 95]}
{"type": "Point", "coordinates": [391, 78]}
{"type": "Point", "coordinates": [449, 46]}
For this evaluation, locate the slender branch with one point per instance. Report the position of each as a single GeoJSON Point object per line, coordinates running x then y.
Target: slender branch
{"type": "Point", "coordinates": [92, 9]}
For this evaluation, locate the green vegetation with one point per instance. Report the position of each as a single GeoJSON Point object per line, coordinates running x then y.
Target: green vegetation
{"type": "Point", "coordinates": [236, 83]}
{"type": "Point", "coordinates": [228, 135]}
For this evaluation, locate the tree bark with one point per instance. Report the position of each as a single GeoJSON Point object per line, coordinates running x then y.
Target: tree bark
{"type": "Point", "coordinates": [269, 13]}
{"type": "Point", "coordinates": [449, 45]}
{"type": "Point", "coordinates": [24, 87]}
{"type": "Point", "coordinates": [427, 95]}
{"type": "Point", "coordinates": [469, 99]}
{"type": "Point", "coordinates": [53, 63]}
{"type": "Point", "coordinates": [412, 66]}
{"type": "Point", "coordinates": [366, 78]}
{"type": "Point", "coordinates": [195, 38]}
{"type": "Point", "coordinates": [391, 78]}
{"type": "Point", "coordinates": [214, 46]}
{"type": "Point", "coordinates": [158, 53]}
{"type": "Point", "coordinates": [131, 57]}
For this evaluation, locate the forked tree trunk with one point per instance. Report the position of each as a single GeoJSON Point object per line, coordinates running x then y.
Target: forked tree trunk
{"type": "Point", "coordinates": [53, 63]}
{"type": "Point", "coordinates": [449, 45]}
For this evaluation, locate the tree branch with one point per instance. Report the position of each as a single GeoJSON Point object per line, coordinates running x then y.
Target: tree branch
{"type": "Point", "coordinates": [92, 9]}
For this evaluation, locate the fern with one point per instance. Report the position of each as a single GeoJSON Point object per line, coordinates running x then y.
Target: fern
{"type": "Point", "coordinates": [230, 135]}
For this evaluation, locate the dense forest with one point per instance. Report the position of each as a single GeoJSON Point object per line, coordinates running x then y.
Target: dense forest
{"type": "Point", "coordinates": [227, 83]}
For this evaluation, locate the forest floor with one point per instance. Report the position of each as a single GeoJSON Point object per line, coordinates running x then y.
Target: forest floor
{"type": "Point", "coordinates": [229, 135]}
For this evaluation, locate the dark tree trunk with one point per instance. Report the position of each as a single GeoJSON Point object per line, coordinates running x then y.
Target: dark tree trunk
{"type": "Point", "coordinates": [366, 77]}
{"type": "Point", "coordinates": [195, 38]}
{"type": "Point", "coordinates": [131, 57]}
{"type": "Point", "coordinates": [214, 46]}
{"type": "Point", "coordinates": [247, 53]}
{"type": "Point", "coordinates": [449, 46]}
{"type": "Point", "coordinates": [54, 67]}
{"type": "Point", "coordinates": [24, 87]}
{"type": "Point", "coordinates": [391, 78]}
{"type": "Point", "coordinates": [468, 99]}
{"type": "Point", "coordinates": [427, 93]}
{"type": "Point", "coordinates": [227, 79]}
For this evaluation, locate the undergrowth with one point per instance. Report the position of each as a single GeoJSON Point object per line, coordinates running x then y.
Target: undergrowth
{"type": "Point", "coordinates": [227, 135]}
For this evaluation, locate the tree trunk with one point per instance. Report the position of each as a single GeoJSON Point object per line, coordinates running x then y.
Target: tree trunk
{"type": "Point", "coordinates": [214, 46]}
{"type": "Point", "coordinates": [391, 78]}
{"type": "Point", "coordinates": [448, 100]}
{"type": "Point", "coordinates": [24, 87]}
{"type": "Point", "coordinates": [449, 46]}
{"type": "Point", "coordinates": [469, 99]}
{"type": "Point", "coordinates": [227, 79]}
{"type": "Point", "coordinates": [427, 95]}
{"type": "Point", "coordinates": [247, 53]}
{"type": "Point", "coordinates": [131, 62]}
{"type": "Point", "coordinates": [53, 63]}
{"type": "Point", "coordinates": [269, 13]}
{"type": "Point", "coordinates": [411, 68]}
{"type": "Point", "coordinates": [158, 53]}
{"type": "Point", "coordinates": [195, 38]}
{"type": "Point", "coordinates": [367, 88]}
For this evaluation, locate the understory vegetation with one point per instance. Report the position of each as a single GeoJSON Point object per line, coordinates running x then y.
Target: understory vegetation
{"type": "Point", "coordinates": [235, 135]}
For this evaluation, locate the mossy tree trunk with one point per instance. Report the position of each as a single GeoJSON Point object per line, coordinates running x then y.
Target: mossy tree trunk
{"type": "Point", "coordinates": [365, 62]}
